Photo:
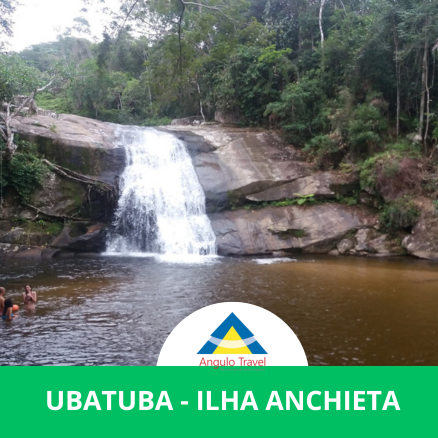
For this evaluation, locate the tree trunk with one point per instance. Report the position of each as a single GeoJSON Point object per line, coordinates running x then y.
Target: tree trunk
{"type": "Point", "coordinates": [423, 88]}
{"type": "Point", "coordinates": [7, 133]}
{"type": "Point", "coordinates": [397, 75]}
{"type": "Point", "coordinates": [321, 7]}
{"type": "Point", "coordinates": [200, 100]}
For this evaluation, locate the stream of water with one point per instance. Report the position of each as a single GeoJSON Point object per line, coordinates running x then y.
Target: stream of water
{"type": "Point", "coordinates": [119, 311]}
{"type": "Point", "coordinates": [162, 205]}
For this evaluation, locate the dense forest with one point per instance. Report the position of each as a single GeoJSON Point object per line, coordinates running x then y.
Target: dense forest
{"type": "Point", "coordinates": [331, 73]}
{"type": "Point", "coordinates": [340, 78]}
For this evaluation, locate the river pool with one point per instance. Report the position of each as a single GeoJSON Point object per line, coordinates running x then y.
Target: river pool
{"type": "Point", "coordinates": [118, 311]}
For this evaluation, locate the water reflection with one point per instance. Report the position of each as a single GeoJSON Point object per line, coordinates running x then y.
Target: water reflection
{"type": "Point", "coordinates": [116, 311]}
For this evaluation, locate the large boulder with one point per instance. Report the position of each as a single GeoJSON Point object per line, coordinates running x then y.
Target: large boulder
{"type": "Point", "coordinates": [187, 121]}
{"type": "Point", "coordinates": [82, 237]}
{"type": "Point", "coordinates": [423, 241]}
{"type": "Point", "coordinates": [243, 162]}
{"type": "Point", "coordinates": [316, 229]}
{"type": "Point", "coordinates": [87, 146]}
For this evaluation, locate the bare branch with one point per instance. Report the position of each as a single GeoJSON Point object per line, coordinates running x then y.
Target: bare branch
{"type": "Point", "coordinates": [127, 17]}
{"type": "Point", "coordinates": [30, 98]}
{"type": "Point", "coordinates": [54, 216]}
{"type": "Point", "coordinates": [63, 171]}
{"type": "Point", "coordinates": [213, 8]}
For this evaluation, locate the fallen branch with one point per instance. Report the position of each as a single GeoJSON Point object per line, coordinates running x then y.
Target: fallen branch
{"type": "Point", "coordinates": [80, 178]}
{"type": "Point", "coordinates": [55, 216]}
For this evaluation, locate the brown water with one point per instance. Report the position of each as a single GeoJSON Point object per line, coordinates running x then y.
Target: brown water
{"type": "Point", "coordinates": [119, 311]}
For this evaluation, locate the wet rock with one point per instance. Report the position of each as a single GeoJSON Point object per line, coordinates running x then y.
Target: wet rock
{"type": "Point", "coordinates": [423, 241]}
{"type": "Point", "coordinates": [368, 200]}
{"type": "Point", "coordinates": [244, 162]}
{"type": "Point", "coordinates": [29, 253]}
{"type": "Point", "coordinates": [188, 121]}
{"type": "Point", "coordinates": [49, 253]}
{"type": "Point", "coordinates": [19, 236]}
{"type": "Point", "coordinates": [334, 252]}
{"type": "Point", "coordinates": [384, 246]}
{"type": "Point", "coordinates": [315, 229]}
{"type": "Point", "coordinates": [344, 246]}
{"type": "Point", "coordinates": [196, 144]}
{"type": "Point", "coordinates": [321, 185]}
{"type": "Point", "coordinates": [365, 235]}
{"type": "Point", "coordinates": [7, 248]}
{"type": "Point", "coordinates": [82, 237]}
{"type": "Point", "coordinates": [227, 118]}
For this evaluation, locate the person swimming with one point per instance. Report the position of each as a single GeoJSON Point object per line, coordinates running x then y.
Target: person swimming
{"type": "Point", "coordinates": [29, 297]}
{"type": "Point", "coordinates": [7, 314]}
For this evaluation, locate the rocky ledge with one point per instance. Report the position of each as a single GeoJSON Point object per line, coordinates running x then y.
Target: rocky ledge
{"type": "Point", "coordinates": [247, 169]}
{"type": "Point", "coordinates": [241, 170]}
{"type": "Point", "coordinates": [321, 229]}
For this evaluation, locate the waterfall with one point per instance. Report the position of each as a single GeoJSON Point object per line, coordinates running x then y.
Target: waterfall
{"type": "Point", "coordinates": [161, 208]}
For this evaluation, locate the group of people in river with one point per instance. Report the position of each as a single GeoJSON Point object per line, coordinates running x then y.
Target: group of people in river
{"type": "Point", "coordinates": [7, 307]}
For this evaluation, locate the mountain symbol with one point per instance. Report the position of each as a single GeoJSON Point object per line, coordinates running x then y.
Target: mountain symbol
{"type": "Point", "coordinates": [232, 337]}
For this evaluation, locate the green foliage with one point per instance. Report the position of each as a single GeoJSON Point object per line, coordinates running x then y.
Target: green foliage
{"type": "Point", "coordinates": [368, 171]}
{"type": "Point", "coordinates": [24, 172]}
{"type": "Point", "coordinates": [259, 62]}
{"type": "Point", "coordinates": [387, 164]}
{"type": "Point", "coordinates": [56, 103]}
{"type": "Point", "coordinates": [301, 106]}
{"type": "Point", "coordinates": [323, 148]}
{"type": "Point", "coordinates": [400, 214]}
{"type": "Point", "coordinates": [16, 77]}
{"type": "Point", "coordinates": [251, 79]}
{"type": "Point", "coordinates": [351, 201]}
{"type": "Point", "coordinates": [41, 226]}
{"type": "Point", "coordinates": [299, 200]}
{"type": "Point", "coordinates": [366, 129]}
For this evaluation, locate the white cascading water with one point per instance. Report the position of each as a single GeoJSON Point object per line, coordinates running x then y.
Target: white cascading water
{"type": "Point", "coordinates": [162, 205]}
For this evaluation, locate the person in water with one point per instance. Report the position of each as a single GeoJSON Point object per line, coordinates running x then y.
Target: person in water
{"type": "Point", "coordinates": [7, 314]}
{"type": "Point", "coordinates": [2, 299]}
{"type": "Point", "coordinates": [29, 297]}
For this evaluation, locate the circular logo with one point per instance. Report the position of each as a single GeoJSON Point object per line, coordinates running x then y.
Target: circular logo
{"type": "Point", "coordinates": [232, 334]}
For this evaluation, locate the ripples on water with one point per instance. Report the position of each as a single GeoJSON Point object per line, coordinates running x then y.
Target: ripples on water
{"type": "Point", "coordinates": [119, 311]}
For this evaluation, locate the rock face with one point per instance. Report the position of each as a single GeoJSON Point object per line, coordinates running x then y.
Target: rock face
{"type": "Point", "coordinates": [188, 121]}
{"type": "Point", "coordinates": [242, 163]}
{"type": "Point", "coordinates": [423, 241]}
{"type": "Point", "coordinates": [84, 145]}
{"type": "Point", "coordinates": [321, 185]}
{"type": "Point", "coordinates": [316, 229]}
{"type": "Point", "coordinates": [87, 147]}
{"type": "Point", "coordinates": [247, 166]}
{"type": "Point", "coordinates": [236, 168]}
{"type": "Point", "coordinates": [82, 237]}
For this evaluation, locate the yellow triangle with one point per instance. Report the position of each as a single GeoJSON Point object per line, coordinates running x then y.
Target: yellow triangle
{"type": "Point", "coordinates": [232, 335]}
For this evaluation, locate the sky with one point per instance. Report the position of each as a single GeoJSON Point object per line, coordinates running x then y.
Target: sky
{"type": "Point", "coordinates": [38, 21]}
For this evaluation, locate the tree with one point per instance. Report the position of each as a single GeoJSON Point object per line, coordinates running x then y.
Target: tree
{"type": "Point", "coordinates": [7, 9]}
{"type": "Point", "coordinates": [18, 78]}
{"type": "Point", "coordinates": [418, 30]}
